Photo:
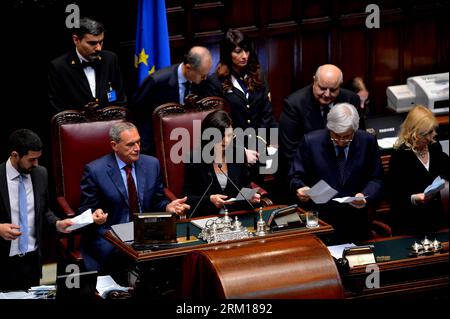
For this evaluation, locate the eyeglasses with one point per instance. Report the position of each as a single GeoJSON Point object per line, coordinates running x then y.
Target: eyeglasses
{"type": "Point", "coordinates": [344, 139]}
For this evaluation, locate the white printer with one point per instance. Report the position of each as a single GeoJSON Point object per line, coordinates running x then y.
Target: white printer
{"type": "Point", "coordinates": [429, 90]}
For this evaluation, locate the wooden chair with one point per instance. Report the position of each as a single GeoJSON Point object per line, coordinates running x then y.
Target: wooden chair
{"type": "Point", "coordinates": [171, 116]}
{"type": "Point", "coordinates": [78, 137]}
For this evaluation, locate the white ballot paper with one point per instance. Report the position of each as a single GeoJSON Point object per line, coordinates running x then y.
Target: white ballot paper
{"type": "Point", "coordinates": [387, 142]}
{"type": "Point", "coordinates": [321, 192]}
{"type": "Point", "coordinates": [105, 284]}
{"type": "Point", "coordinates": [246, 193]}
{"type": "Point", "coordinates": [201, 223]}
{"type": "Point", "coordinates": [81, 220]}
{"type": "Point", "coordinates": [434, 187]}
{"type": "Point", "coordinates": [337, 250]}
{"type": "Point", "coordinates": [124, 231]}
{"type": "Point", "coordinates": [348, 199]}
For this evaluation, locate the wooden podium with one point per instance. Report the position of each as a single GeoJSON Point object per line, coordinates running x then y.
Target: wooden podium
{"type": "Point", "coordinates": [269, 268]}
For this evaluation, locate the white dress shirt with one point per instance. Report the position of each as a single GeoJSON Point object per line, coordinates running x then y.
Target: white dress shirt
{"type": "Point", "coordinates": [90, 74]}
{"type": "Point", "coordinates": [12, 177]}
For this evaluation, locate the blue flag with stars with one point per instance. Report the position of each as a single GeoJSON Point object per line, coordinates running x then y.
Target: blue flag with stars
{"type": "Point", "coordinates": [152, 38]}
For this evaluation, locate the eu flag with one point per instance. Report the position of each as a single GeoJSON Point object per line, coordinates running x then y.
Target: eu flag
{"type": "Point", "coordinates": [152, 38]}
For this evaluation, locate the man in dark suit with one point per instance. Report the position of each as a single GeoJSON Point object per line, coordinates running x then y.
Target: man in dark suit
{"type": "Point", "coordinates": [23, 208]}
{"type": "Point", "coordinates": [115, 186]}
{"type": "Point", "coordinates": [306, 110]}
{"type": "Point", "coordinates": [86, 75]}
{"type": "Point", "coordinates": [348, 160]}
{"type": "Point", "coordinates": [171, 84]}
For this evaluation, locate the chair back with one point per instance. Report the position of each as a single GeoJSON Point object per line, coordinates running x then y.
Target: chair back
{"type": "Point", "coordinates": [175, 126]}
{"type": "Point", "coordinates": [79, 137]}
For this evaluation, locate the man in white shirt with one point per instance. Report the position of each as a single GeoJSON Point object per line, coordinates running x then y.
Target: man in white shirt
{"type": "Point", "coordinates": [23, 206]}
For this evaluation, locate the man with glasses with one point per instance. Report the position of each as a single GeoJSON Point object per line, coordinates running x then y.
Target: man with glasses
{"type": "Point", "coordinates": [171, 84]}
{"type": "Point", "coordinates": [348, 160]}
{"type": "Point", "coordinates": [306, 110]}
{"type": "Point", "coordinates": [87, 75]}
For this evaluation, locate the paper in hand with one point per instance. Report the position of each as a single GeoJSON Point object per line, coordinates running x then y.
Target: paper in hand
{"type": "Point", "coordinates": [434, 187]}
{"type": "Point", "coordinates": [349, 199]}
{"type": "Point", "coordinates": [246, 193]}
{"type": "Point", "coordinates": [321, 193]}
{"type": "Point", "coordinates": [81, 220]}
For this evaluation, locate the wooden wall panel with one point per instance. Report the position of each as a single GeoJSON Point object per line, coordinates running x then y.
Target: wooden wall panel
{"type": "Point", "coordinates": [385, 64]}
{"type": "Point", "coordinates": [292, 37]}
{"type": "Point", "coordinates": [282, 57]}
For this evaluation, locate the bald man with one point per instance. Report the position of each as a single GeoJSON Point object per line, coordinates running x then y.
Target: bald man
{"type": "Point", "coordinates": [306, 110]}
{"type": "Point", "coordinates": [170, 84]}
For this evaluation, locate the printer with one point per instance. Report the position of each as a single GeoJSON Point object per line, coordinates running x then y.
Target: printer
{"type": "Point", "coordinates": [429, 90]}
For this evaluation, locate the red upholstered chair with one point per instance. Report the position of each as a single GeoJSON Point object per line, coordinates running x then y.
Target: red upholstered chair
{"type": "Point", "coordinates": [170, 116]}
{"type": "Point", "coordinates": [78, 137]}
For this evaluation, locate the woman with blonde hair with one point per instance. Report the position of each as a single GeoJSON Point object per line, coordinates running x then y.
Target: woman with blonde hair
{"type": "Point", "coordinates": [417, 160]}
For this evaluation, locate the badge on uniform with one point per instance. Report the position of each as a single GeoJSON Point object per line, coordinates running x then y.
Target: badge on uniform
{"type": "Point", "coordinates": [112, 96]}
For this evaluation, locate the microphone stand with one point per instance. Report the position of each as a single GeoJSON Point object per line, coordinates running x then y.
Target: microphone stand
{"type": "Point", "coordinates": [188, 229]}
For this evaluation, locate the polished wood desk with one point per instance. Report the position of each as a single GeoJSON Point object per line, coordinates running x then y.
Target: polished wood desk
{"type": "Point", "coordinates": [246, 217]}
{"type": "Point", "coordinates": [401, 274]}
{"type": "Point", "coordinates": [158, 274]}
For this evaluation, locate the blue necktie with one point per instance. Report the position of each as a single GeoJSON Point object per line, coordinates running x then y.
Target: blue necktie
{"type": "Point", "coordinates": [23, 216]}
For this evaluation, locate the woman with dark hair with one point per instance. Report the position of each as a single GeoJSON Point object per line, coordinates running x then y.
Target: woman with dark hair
{"type": "Point", "coordinates": [239, 80]}
{"type": "Point", "coordinates": [219, 162]}
{"type": "Point", "coordinates": [417, 160]}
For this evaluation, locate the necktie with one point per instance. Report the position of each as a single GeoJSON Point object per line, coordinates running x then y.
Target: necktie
{"type": "Point", "coordinates": [23, 216]}
{"type": "Point", "coordinates": [132, 193]}
{"type": "Point", "coordinates": [341, 162]}
{"type": "Point", "coordinates": [187, 88]}
{"type": "Point", "coordinates": [325, 111]}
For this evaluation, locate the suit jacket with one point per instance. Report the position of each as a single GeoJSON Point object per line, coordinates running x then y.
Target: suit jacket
{"type": "Point", "coordinates": [196, 181]}
{"type": "Point", "coordinates": [39, 178]}
{"type": "Point", "coordinates": [316, 160]}
{"type": "Point", "coordinates": [102, 187]}
{"type": "Point", "coordinates": [255, 112]}
{"type": "Point", "coordinates": [301, 115]}
{"type": "Point", "coordinates": [157, 89]}
{"type": "Point", "coordinates": [408, 176]}
{"type": "Point", "coordinates": [69, 86]}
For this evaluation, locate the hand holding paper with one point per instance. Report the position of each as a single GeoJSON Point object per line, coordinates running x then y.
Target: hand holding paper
{"type": "Point", "coordinates": [349, 199]}
{"type": "Point", "coordinates": [81, 220]}
{"type": "Point", "coordinates": [246, 193]}
{"type": "Point", "coordinates": [434, 187]}
{"type": "Point", "coordinates": [321, 193]}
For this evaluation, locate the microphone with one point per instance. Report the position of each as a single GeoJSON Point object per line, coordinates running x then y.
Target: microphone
{"type": "Point", "coordinates": [201, 198]}
{"type": "Point", "coordinates": [232, 183]}
{"type": "Point", "coordinates": [188, 231]}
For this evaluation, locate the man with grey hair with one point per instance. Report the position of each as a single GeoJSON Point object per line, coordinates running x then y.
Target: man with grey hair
{"type": "Point", "coordinates": [117, 186]}
{"type": "Point", "coordinates": [171, 84]}
{"type": "Point", "coordinates": [87, 75]}
{"type": "Point", "coordinates": [306, 110]}
{"type": "Point", "coordinates": [348, 160]}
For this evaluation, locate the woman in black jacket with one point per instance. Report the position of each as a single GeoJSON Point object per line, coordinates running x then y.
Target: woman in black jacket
{"type": "Point", "coordinates": [239, 80]}
{"type": "Point", "coordinates": [417, 160]}
{"type": "Point", "coordinates": [216, 163]}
